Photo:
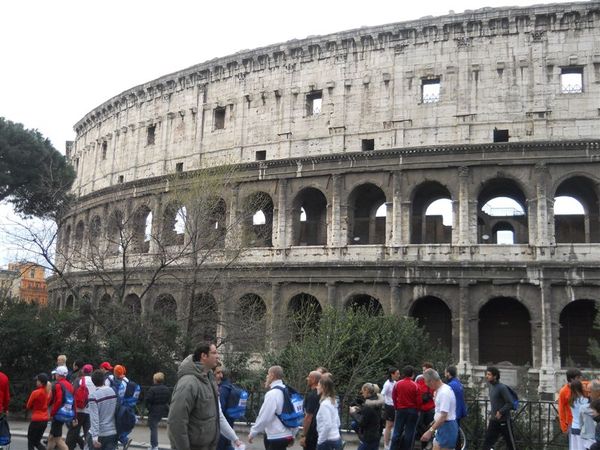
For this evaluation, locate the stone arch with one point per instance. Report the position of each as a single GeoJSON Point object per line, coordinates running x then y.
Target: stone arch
{"type": "Point", "coordinates": [364, 226]}
{"type": "Point", "coordinates": [502, 233]}
{"type": "Point", "coordinates": [574, 228]}
{"type": "Point", "coordinates": [70, 303]}
{"type": "Point", "coordinates": [95, 232]}
{"type": "Point", "coordinates": [364, 302]}
{"type": "Point", "coordinates": [505, 332]}
{"type": "Point", "coordinates": [435, 317]}
{"type": "Point", "coordinates": [428, 228]}
{"type": "Point", "coordinates": [213, 222]}
{"type": "Point", "coordinates": [166, 306]}
{"type": "Point", "coordinates": [78, 240]}
{"type": "Point", "coordinates": [258, 220]}
{"type": "Point", "coordinates": [203, 318]}
{"type": "Point", "coordinates": [133, 304]}
{"type": "Point", "coordinates": [304, 313]}
{"type": "Point", "coordinates": [105, 300]}
{"type": "Point", "coordinates": [488, 215]}
{"type": "Point", "coordinates": [174, 223]}
{"type": "Point", "coordinates": [309, 217]}
{"type": "Point", "coordinates": [576, 330]}
{"type": "Point", "coordinates": [248, 331]}
{"type": "Point", "coordinates": [142, 229]}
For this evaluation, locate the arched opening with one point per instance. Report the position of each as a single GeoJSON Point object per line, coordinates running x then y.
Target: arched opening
{"type": "Point", "coordinates": [309, 218]}
{"type": "Point", "coordinates": [70, 303]}
{"type": "Point", "coordinates": [105, 301]}
{"type": "Point", "coordinates": [174, 224]}
{"type": "Point", "coordinates": [133, 304]}
{"type": "Point", "coordinates": [364, 225]}
{"type": "Point", "coordinates": [215, 223]}
{"type": "Point", "coordinates": [503, 233]}
{"type": "Point", "coordinates": [249, 329]}
{"type": "Point", "coordinates": [115, 233]}
{"type": "Point", "coordinates": [304, 312]}
{"type": "Point", "coordinates": [204, 318]}
{"type": "Point", "coordinates": [434, 316]}
{"type": "Point", "coordinates": [431, 214]}
{"type": "Point", "coordinates": [95, 232]}
{"type": "Point", "coordinates": [576, 330]}
{"type": "Point", "coordinates": [366, 304]}
{"type": "Point", "coordinates": [166, 307]}
{"type": "Point", "coordinates": [67, 241]}
{"type": "Point", "coordinates": [258, 220]}
{"type": "Point", "coordinates": [501, 200]}
{"type": "Point", "coordinates": [504, 332]}
{"type": "Point", "coordinates": [142, 229]}
{"type": "Point", "coordinates": [576, 211]}
{"type": "Point", "coordinates": [79, 229]}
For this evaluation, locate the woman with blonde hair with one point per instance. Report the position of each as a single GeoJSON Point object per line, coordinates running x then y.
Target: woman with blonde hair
{"type": "Point", "coordinates": [328, 419]}
{"type": "Point", "coordinates": [158, 398]}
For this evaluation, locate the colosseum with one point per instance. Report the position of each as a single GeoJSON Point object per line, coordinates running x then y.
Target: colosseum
{"type": "Point", "coordinates": [417, 168]}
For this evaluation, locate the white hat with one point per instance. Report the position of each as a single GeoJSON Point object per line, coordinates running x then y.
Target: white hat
{"type": "Point", "coordinates": [61, 370]}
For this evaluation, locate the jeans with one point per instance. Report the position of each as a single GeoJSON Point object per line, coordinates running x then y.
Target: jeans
{"type": "Point", "coordinates": [277, 444]}
{"type": "Point", "coordinates": [153, 425]}
{"type": "Point", "coordinates": [495, 429]}
{"type": "Point", "coordinates": [106, 442]}
{"type": "Point", "coordinates": [35, 433]}
{"type": "Point", "coordinates": [330, 445]}
{"type": "Point", "coordinates": [368, 445]}
{"type": "Point", "coordinates": [404, 429]}
{"type": "Point", "coordinates": [73, 436]}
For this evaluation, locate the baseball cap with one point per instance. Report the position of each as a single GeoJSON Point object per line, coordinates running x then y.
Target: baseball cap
{"type": "Point", "coordinates": [120, 371]}
{"type": "Point", "coordinates": [61, 370]}
{"type": "Point", "coordinates": [42, 378]}
{"type": "Point", "coordinates": [87, 368]}
{"type": "Point", "coordinates": [106, 365]}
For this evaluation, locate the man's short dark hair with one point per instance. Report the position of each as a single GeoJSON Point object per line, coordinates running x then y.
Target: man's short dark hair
{"type": "Point", "coordinates": [572, 374]}
{"type": "Point", "coordinates": [494, 371]}
{"type": "Point", "coordinates": [202, 348]}
{"type": "Point", "coordinates": [98, 378]}
{"type": "Point", "coordinates": [78, 363]}
{"type": "Point", "coordinates": [427, 365]}
{"type": "Point", "coordinates": [451, 371]}
{"type": "Point", "coordinates": [408, 371]}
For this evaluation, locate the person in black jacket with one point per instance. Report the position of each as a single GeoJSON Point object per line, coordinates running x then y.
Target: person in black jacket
{"type": "Point", "coordinates": [158, 398]}
{"type": "Point", "coordinates": [501, 404]}
{"type": "Point", "coordinates": [368, 417]}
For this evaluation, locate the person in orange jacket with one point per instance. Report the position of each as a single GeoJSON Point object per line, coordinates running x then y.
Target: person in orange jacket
{"type": "Point", "coordinates": [38, 404]}
{"type": "Point", "coordinates": [564, 410]}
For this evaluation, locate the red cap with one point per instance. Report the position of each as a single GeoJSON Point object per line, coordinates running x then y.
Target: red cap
{"type": "Point", "coordinates": [106, 365]}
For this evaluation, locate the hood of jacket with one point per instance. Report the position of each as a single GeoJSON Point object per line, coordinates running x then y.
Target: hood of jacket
{"type": "Point", "coordinates": [376, 401]}
{"type": "Point", "coordinates": [190, 367]}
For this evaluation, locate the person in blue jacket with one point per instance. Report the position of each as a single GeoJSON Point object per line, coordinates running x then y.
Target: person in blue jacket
{"type": "Point", "coordinates": [222, 378]}
{"type": "Point", "coordinates": [453, 381]}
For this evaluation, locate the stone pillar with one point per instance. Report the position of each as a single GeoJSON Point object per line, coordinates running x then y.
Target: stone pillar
{"type": "Point", "coordinates": [395, 298]}
{"type": "Point", "coordinates": [157, 222]}
{"type": "Point", "coordinates": [332, 299]}
{"type": "Point", "coordinates": [275, 329]}
{"type": "Point", "coordinates": [280, 216]}
{"type": "Point", "coordinates": [396, 212]}
{"type": "Point", "coordinates": [336, 237]}
{"type": "Point", "coordinates": [405, 225]}
{"type": "Point", "coordinates": [463, 231]}
{"type": "Point", "coordinates": [235, 219]}
{"type": "Point", "coordinates": [547, 383]}
{"type": "Point", "coordinates": [543, 217]}
{"type": "Point", "coordinates": [464, 334]}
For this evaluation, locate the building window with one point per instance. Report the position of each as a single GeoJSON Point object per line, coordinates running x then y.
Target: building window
{"type": "Point", "coordinates": [32, 273]}
{"type": "Point", "coordinates": [219, 118]}
{"type": "Point", "coordinates": [151, 134]}
{"type": "Point", "coordinates": [121, 179]}
{"type": "Point", "coordinates": [179, 167]}
{"type": "Point", "coordinates": [104, 149]}
{"type": "Point", "coordinates": [571, 80]}
{"type": "Point", "coordinates": [430, 90]}
{"type": "Point", "coordinates": [367, 145]}
{"type": "Point", "coordinates": [500, 135]}
{"type": "Point", "coordinates": [313, 103]}
{"type": "Point", "coordinates": [261, 155]}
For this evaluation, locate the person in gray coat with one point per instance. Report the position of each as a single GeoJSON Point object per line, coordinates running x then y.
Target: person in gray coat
{"type": "Point", "coordinates": [195, 416]}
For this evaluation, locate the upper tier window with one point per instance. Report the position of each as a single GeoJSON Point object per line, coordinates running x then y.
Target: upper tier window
{"type": "Point", "coordinates": [313, 103]}
{"type": "Point", "coordinates": [430, 90]}
{"type": "Point", "coordinates": [219, 118]}
{"type": "Point", "coordinates": [571, 80]}
{"type": "Point", "coordinates": [151, 135]}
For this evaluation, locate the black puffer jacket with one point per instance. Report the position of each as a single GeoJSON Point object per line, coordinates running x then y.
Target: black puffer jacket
{"type": "Point", "coordinates": [157, 400]}
{"type": "Point", "coordinates": [368, 418]}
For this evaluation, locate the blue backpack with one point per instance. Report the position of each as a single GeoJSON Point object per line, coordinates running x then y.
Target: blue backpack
{"type": "Point", "coordinates": [4, 431]}
{"type": "Point", "coordinates": [514, 397]}
{"type": "Point", "coordinates": [236, 403]}
{"type": "Point", "coordinates": [66, 412]}
{"type": "Point", "coordinates": [292, 413]}
{"type": "Point", "coordinates": [127, 395]}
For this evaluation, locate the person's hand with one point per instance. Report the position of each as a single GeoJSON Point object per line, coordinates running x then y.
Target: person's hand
{"type": "Point", "coordinates": [74, 422]}
{"type": "Point", "coordinates": [498, 415]}
{"type": "Point", "coordinates": [97, 444]}
{"type": "Point", "coordinates": [250, 437]}
{"type": "Point", "coordinates": [302, 441]}
{"type": "Point", "coordinates": [426, 436]}
{"type": "Point", "coordinates": [353, 409]}
{"type": "Point", "coordinates": [237, 443]}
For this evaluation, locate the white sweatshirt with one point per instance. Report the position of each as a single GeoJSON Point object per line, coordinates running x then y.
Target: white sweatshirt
{"type": "Point", "coordinates": [267, 420]}
{"type": "Point", "coordinates": [328, 421]}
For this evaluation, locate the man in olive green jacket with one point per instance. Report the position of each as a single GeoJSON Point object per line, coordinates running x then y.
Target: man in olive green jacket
{"type": "Point", "coordinates": [195, 417]}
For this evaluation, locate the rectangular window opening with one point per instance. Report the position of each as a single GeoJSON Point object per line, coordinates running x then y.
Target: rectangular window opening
{"type": "Point", "coordinates": [121, 179]}
{"type": "Point", "coordinates": [261, 155]}
{"type": "Point", "coordinates": [314, 101]}
{"type": "Point", "coordinates": [179, 167]}
{"type": "Point", "coordinates": [151, 134]}
{"type": "Point", "coordinates": [571, 80]}
{"type": "Point", "coordinates": [430, 90]}
{"type": "Point", "coordinates": [104, 149]}
{"type": "Point", "coordinates": [219, 118]}
{"type": "Point", "coordinates": [500, 135]}
{"type": "Point", "coordinates": [367, 145]}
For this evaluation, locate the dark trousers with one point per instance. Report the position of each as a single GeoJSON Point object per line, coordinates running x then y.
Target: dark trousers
{"type": "Point", "coordinates": [368, 445]}
{"type": "Point", "coordinates": [497, 428]}
{"type": "Point", "coordinates": [225, 444]}
{"type": "Point", "coordinates": [276, 444]}
{"type": "Point", "coordinates": [423, 424]}
{"type": "Point", "coordinates": [73, 435]}
{"type": "Point", "coordinates": [404, 429]}
{"type": "Point", "coordinates": [106, 442]}
{"type": "Point", "coordinates": [153, 425]}
{"type": "Point", "coordinates": [35, 432]}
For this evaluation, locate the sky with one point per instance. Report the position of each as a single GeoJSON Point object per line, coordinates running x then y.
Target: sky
{"type": "Point", "coordinates": [60, 59]}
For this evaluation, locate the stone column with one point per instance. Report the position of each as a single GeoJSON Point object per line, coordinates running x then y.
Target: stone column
{"type": "Point", "coordinates": [405, 225]}
{"type": "Point", "coordinates": [396, 211]}
{"type": "Point", "coordinates": [395, 298]}
{"type": "Point", "coordinates": [235, 220]}
{"type": "Point", "coordinates": [275, 330]}
{"type": "Point", "coordinates": [464, 335]}
{"type": "Point", "coordinates": [464, 211]}
{"type": "Point", "coordinates": [547, 383]}
{"type": "Point", "coordinates": [280, 216]}
{"type": "Point", "coordinates": [336, 238]}
{"type": "Point", "coordinates": [332, 294]}
{"type": "Point", "coordinates": [542, 178]}
{"type": "Point", "coordinates": [157, 222]}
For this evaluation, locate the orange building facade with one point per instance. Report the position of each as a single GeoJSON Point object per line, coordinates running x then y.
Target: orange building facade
{"type": "Point", "coordinates": [30, 285]}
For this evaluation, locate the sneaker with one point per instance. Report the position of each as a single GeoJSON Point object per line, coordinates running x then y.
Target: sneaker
{"type": "Point", "coordinates": [127, 444]}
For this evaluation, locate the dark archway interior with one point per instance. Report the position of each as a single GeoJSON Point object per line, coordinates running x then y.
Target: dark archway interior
{"type": "Point", "coordinates": [203, 319]}
{"type": "Point", "coordinates": [428, 229]}
{"type": "Point", "coordinates": [169, 235]}
{"type": "Point", "coordinates": [364, 227]}
{"type": "Point", "coordinates": [365, 303]}
{"type": "Point", "coordinates": [133, 304]}
{"type": "Point", "coordinates": [140, 244]}
{"type": "Point", "coordinates": [575, 228]}
{"type": "Point", "coordinates": [309, 218]}
{"type": "Point", "coordinates": [166, 306]}
{"type": "Point", "coordinates": [576, 330]}
{"type": "Point", "coordinates": [258, 234]}
{"type": "Point", "coordinates": [436, 318]}
{"type": "Point", "coordinates": [249, 328]}
{"type": "Point", "coordinates": [304, 311]}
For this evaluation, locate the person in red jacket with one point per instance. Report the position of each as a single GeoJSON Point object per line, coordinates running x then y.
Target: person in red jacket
{"type": "Point", "coordinates": [427, 409]}
{"type": "Point", "coordinates": [55, 438]}
{"type": "Point", "coordinates": [407, 402]}
{"type": "Point", "coordinates": [4, 394]}
{"type": "Point", "coordinates": [38, 404]}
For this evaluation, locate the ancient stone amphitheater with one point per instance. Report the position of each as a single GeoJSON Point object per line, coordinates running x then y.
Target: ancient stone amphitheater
{"type": "Point", "coordinates": [414, 168]}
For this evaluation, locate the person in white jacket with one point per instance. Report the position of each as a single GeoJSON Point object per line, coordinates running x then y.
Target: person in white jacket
{"type": "Point", "coordinates": [277, 435]}
{"type": "Point", "coordinates": [328, 419]}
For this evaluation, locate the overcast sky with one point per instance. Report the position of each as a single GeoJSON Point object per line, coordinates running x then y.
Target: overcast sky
{"type": "Point", "coordinates": [60, 59]}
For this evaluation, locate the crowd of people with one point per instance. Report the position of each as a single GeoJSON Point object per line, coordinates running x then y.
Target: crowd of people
{"type": "Point", "coordinates": [97, 407]}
